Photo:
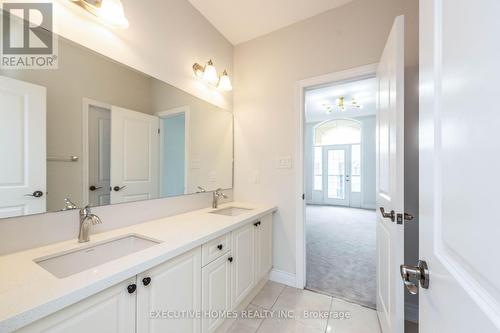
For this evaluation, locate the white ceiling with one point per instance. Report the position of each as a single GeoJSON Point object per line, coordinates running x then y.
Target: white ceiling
{"type": "Point", "coordinates": [242, 20]}
{"type": "Point", "coordinates": [317, 100]}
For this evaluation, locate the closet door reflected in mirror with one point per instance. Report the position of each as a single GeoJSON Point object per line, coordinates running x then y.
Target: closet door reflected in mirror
{"type": "Point", "coordinates": [96, 132]}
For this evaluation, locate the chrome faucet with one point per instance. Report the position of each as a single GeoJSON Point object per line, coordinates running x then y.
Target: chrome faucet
{"type": "Point", "coordinates": [86, 220]}
{"type": "Point", "coordinates": [216, 196]}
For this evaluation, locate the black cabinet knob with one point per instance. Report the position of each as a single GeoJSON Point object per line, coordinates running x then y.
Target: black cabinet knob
{"type": "Point", "coordinates": [220, 246]}
{"type": "Point", "coordinates": [257, 223]}
{"type": "Point", "coordinates": [146, 281]}
{"type": "Point", "coordinates": [230, 259]}
{"type": "Point", "coordinates": [131, 288]}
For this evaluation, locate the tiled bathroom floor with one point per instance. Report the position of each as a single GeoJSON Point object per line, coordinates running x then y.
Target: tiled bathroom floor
{"type": "Point", "coordinates": [281, 299]}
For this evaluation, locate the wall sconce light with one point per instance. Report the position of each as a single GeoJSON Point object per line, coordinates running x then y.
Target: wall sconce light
{"type": "Point", "coordinates": [110, 11]}
{"type": "Point", "coordinates": [208, 73]}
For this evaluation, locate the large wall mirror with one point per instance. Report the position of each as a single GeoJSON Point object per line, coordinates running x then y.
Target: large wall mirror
{"type": "Point", "coordinates": [97, 132]}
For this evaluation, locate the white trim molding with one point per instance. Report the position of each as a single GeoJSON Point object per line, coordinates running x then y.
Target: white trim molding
{"type": "Point", "coordinates": [318, 81]}
{"type": "Point", "coordinates": [282, 277]}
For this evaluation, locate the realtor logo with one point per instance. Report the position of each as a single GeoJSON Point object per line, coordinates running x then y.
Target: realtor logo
{"type": "Point", "coordinates": [27, 38]}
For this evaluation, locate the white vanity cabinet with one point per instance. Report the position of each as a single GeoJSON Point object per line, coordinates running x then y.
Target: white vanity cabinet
{"type": "Point", "coordinates": [176, 295]}
{"type": "Point", "coordinates": [173, 288]}
{"type": "Point", "coordinates": [111, 311]}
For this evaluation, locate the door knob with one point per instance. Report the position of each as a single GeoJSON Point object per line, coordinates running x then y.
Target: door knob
{"type": "Point", "coordinates": [93, 188]}
{"type": "Point", "coordinates": [413, 276]}
{"type": "Point", "coordinates": [391, 215]}
{"type": "Point", "coordinates": [131, 288]}
{"type": "Point", "coordinates": [118, 188]}
{"type": "Point", "coordinates": [36, 194]}
{"type": "Point", "coordinates": [146, 281]}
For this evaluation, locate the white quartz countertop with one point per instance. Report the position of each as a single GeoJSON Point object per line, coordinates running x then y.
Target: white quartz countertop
{"type": "Point", "coordinates": [28, 292]}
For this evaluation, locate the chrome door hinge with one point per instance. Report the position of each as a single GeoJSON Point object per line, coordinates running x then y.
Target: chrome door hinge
{"type": "Point", "coordinates": [413, 276]}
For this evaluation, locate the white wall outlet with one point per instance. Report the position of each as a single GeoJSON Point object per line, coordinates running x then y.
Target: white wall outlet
{"type": "Point", "coordinates": [284, 162]}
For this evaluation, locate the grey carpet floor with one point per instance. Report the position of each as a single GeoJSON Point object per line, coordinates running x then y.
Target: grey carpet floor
{"type": "Point", "coordinates": [340, 252]}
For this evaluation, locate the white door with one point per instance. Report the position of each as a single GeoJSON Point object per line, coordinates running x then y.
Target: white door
{"type": "Point", "coordinates": [22, 147]}
{"type": "Point", "coordinates": [173, 288]}
{"type": "Point", "coordinates": [336, 162]}
{"type": "Point", "coordinates": [263, 247]}
{"type": "Point", "coordinates": [99, 156]}
{"type": "Point", "coordinates": [243, 250]}
{"type": "Point", "coordinates": [216, 291]}
{"type": "Point", "coordinates": [110, 311]}
{"type": "Point", "coordinates": [390, 180]}
{"type": "Point", "coordinates": [134, 155]}
{"type": "Point", "coordinates": [459, 163]}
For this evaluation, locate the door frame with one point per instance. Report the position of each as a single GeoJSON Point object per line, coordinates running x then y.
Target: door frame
{"type": "Point", "coordinates": [353, 74]}
{"type": "Point", "coordinates": [186, 110]}
{"type": "Point", "coordinates": [86, 104]}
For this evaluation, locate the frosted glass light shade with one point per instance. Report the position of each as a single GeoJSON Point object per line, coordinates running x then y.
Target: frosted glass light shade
{"type": "Point", "coordinates": [210, 74]}
{"type": "Point", "coordinates": [112, 12]}
{"type": "Point", "coordinates": [225, 82]}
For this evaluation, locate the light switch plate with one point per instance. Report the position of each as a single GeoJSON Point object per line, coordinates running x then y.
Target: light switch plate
{"type": "Point", "coordinates": [284, 162]}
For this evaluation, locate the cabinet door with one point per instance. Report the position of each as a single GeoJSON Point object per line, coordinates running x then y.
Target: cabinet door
{"type": "Point", "coordinates": [263, 247]}
{"type": "Point", "coordinates": [169, 296]}
{"type": "Point", "coordinates": [243, 266]}
{"type": "Point", "coordinates": [216, 291]}
{"type": "Point", "coordinates": [110, 311]}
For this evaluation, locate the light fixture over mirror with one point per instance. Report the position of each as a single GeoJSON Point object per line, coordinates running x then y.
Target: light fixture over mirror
{"type": "Point", "coordinates": [110, 11]}
{"type": "Point", "coordinates": [208, 73]}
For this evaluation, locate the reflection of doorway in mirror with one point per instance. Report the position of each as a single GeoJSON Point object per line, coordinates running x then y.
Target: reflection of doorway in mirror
{"type": "Point", "coordinates": [174, 152]}
{"type": "Point", "coordinates": [99, 155]}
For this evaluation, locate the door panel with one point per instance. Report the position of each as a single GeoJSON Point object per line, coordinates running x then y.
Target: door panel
{"type": "Point", "coordinates": [459, 122]}
{"type": "Point", "coordinates": [99, 155]}
{"type": "Point", "coordinates": [134, 155]}
{"type": "Point", "coordinates": [175, 286]}
{"type": "Point", "coordinates": [390, 180]}
{"type": "Point", "coordinates": [243, 250]}
{"type": "Point", "coordinates": [216, 289]}
{"type": "Point", "coordinates": [23, 146]}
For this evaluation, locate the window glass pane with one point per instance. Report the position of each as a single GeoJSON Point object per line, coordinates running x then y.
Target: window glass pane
{"type": "Point", "coordinates": [355, 168]}
{"type": "Point", "coordinates": [318, 168]}
{"type": "Point", "coordinates": [336, 174]}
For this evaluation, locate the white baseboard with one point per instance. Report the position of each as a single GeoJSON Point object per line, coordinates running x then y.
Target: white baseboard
{"type": "Point", "coordinates": [411, 312]}
{"type": "Point", "coordinates": [282, 277]}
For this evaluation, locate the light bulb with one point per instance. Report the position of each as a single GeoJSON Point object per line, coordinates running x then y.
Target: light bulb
{"type": "Point", "coordinates": [225, 82]}
{"type": "Point", "coordinates": [112, 12]}
{"type": "Point", "coordinates": [210, 74]}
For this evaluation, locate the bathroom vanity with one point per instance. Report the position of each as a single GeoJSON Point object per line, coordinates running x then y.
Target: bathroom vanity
{"type": "Point", "coordinates": [160, 276]}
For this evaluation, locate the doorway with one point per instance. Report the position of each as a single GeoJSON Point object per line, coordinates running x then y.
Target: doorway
{"type": "Point", "coordinates": [339, 164]}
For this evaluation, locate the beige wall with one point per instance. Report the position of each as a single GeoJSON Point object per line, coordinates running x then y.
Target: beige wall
{"type": "Point", "coordinates": [265, 96]}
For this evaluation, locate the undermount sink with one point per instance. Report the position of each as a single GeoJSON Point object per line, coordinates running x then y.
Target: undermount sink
{"type": "Point", "coordinates": [231, 211]}
{"type": "Point", "coordinates": [68, 263]}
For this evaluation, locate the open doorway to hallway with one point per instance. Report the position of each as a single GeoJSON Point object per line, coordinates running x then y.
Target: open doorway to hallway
{"type": "Point", "coordinates": [340, 163]}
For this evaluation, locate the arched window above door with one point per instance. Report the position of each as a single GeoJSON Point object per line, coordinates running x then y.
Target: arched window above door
{"type": "Point", "coordinates": [337, 132]}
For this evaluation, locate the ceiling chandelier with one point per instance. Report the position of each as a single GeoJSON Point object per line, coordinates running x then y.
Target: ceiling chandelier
{"type": "Point", "coordinates": [341, 104]}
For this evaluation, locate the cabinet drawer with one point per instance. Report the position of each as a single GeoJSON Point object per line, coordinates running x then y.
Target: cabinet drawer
{"type": "Point", "coordinates": [215, 248]}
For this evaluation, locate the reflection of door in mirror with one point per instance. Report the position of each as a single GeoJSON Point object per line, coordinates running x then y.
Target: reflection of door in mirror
{"type": "Point", "coordinates": [22, 147]}
{"type": "Point", "coordinates": [99, 155]}
{"type": "Point", "coordinates": [174, 137]}
{"type": "Point", "coordinates": [134, 155]}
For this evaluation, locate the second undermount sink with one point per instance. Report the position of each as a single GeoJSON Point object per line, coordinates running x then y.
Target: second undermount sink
{"type": "Point", "coordinates": [68, 263]}
{"type": "Point", "coordinates": [231, 211]}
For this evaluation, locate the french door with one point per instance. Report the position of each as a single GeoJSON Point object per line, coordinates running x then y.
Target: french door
{"type": "Point", "coordinates": [336, 175]}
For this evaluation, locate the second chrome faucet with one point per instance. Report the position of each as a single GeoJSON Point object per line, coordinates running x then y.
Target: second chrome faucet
{"type": "Point", "coordinates": [217, 194]}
